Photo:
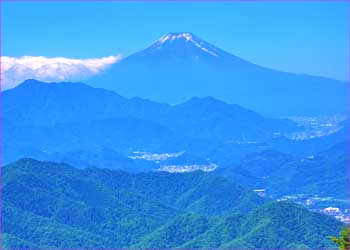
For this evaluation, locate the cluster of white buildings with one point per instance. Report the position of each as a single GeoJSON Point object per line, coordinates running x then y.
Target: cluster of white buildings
{"type": "Point", "coordinates": [187, 168]}
{"type": "Point", "coordinates": [316, 126]}
{"type": "Point", "coordinates": [343, 216]}
{"type": "Point", "coordinates": [154, 156]}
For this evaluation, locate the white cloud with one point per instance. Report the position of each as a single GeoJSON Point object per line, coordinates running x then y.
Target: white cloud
{"type": "Point", "coordinates": [15, 70]}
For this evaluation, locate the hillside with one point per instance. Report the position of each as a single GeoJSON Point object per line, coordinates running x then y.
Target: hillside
{"type": "Point", "coordinates": [325, 174]}
{"type": "Point", "coordinates": [46, 204]}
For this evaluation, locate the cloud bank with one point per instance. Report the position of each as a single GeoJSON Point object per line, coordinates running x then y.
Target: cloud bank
{"type": "Point", "coordinates": [15, 70]}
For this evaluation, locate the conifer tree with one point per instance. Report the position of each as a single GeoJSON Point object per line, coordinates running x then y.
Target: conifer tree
{"type": "Point", "coordinates": [343, 240]}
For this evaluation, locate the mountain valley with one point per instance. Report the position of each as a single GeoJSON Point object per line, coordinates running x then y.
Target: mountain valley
{"type": "Point", "coordinates": [180, 145]}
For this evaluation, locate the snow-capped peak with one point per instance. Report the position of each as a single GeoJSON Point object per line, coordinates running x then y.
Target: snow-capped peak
{"type": "Point", "coordinates": [172, 36]}
{"type": "Point", "coordinates": [187, 37]}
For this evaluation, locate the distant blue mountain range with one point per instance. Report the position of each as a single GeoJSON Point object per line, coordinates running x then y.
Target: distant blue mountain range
{"type": "Point", "coordinates": [180, 66]}
{"type": "Point", "coordinates": [61, 119]}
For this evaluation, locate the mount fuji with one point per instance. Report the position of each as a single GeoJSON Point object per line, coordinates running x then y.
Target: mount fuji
{"type": "Point", "coordinates": [179, 66]}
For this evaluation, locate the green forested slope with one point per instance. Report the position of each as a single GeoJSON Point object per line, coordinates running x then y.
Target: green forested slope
{"type": "Point", "coordinates": [324, 174]}
{"type": "Point", "coordinates": [55, 205]}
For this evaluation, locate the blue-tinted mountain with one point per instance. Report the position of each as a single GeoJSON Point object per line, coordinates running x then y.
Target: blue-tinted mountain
{"type": "Point", "coordinates": [63, 117]}
{"type": "Point", "coordinates": [180, 66]}
{"type": "Point", "coordinates": [37, 103]}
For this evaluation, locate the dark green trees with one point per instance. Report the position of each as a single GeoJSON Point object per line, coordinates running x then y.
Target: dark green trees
{"type": "Point", "coordinates": [343, 240]}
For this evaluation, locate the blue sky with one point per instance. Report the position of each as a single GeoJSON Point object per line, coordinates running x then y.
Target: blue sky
{"type": "Point", "coordinates": [299, 37]}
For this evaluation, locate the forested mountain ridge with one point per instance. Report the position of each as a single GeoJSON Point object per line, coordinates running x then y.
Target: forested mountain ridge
{"type": "Point", "coordinates": [57, 205]}
{"type": "Point", "coordinates": [324, 174]}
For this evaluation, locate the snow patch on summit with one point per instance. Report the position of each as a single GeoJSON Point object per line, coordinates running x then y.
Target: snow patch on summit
{"type": "Point", "coordinates": [187, 36]}
{"type": "Point", "coordinates": [172, 37]}
{"type": "Point", "coordinates": [202, 48]}
{"type": "Point", "coordinates": [163, 39]}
